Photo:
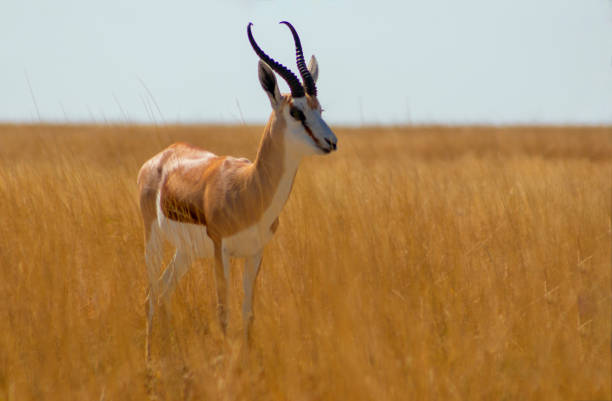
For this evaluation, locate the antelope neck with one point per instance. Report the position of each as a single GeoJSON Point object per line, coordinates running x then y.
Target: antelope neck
{"type": "Point", "coordinates": [274, 168]}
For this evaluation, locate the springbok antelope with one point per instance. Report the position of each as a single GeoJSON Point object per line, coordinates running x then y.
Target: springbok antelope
{"type": "Point", "coordinates": [207, 205]}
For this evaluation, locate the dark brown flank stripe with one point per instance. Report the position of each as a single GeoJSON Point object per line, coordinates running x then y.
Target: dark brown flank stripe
{"type": "Point", "coordinates": [183, 213]}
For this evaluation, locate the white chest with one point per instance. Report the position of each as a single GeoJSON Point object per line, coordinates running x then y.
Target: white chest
{"type": "Point", "coordinates": [249, 241]}
{"type": "Point", "coordinates": [253, 239]}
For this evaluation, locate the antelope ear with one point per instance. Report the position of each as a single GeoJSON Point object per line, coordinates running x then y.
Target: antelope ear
{"type": "Point", "coordinates": [267, 79]}
{"type": "Point", "coordinates": [313, 67]}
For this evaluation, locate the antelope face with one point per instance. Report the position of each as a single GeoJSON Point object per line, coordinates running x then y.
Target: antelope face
{"type": "Point", "coordinates": [306, 127]}
{"type": "Point", "coordinates": [306, 130]}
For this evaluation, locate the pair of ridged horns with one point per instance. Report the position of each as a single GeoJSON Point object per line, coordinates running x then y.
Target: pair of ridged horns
{"type": "Point", "coordinates": [297, 90]}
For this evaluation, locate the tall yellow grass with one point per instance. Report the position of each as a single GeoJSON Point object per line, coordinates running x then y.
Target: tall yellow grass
{"type": "Point", "coordinates": [415, 263]}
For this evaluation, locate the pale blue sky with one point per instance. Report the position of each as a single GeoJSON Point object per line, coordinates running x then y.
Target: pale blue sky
{"type": "Point", "coordinates": [444, 61]}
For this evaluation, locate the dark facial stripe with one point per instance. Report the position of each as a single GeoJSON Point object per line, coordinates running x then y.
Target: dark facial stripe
{"type": "Point", "coordinates": [307, 128]}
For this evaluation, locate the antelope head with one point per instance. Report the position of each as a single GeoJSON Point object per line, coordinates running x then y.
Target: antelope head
{"type": "Point", "coordinates": [306, 129]}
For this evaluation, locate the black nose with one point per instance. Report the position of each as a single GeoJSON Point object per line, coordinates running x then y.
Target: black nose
{"type": "Point", "coordinates": [331, 144]}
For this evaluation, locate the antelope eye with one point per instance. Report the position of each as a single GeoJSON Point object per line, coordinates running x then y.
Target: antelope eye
{"type": "Point", "coordinates": [297, 114]}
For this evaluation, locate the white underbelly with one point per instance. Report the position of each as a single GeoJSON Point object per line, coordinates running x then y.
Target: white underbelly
{"type": "Point", "coordinates": [190, 238]}
{"type": "Point", "coordinates": [193, 239]}
{"type": "Point", "coordinates": [248, 241]}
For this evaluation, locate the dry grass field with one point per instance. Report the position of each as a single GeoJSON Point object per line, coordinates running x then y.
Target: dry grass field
{"type": "Point", "coordinates": [423, 263]}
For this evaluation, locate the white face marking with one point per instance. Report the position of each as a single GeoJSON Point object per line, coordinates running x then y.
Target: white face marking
{"type": "Point", "coordinates": [297, 131]}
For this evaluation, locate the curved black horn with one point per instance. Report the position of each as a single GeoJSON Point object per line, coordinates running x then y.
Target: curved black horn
{"type": "Point", "coordinates": [294, 83]}
{"type": "Point", "coordinates": [309, 83]}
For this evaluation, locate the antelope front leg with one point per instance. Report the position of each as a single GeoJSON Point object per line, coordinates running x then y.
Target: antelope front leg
{"type": "Point", "coordinates": [251, 269]}
{"type": "Point", "coordinates": [222, 276]}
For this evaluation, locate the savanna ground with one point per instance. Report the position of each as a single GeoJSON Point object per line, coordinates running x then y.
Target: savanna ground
{"type": "Point", "coordinates": [415, 263]}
